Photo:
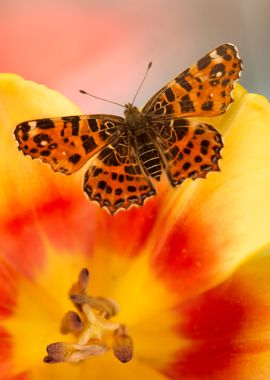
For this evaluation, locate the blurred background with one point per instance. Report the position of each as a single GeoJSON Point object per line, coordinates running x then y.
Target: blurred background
{"type": "Point", "coordinates": [104, 46]}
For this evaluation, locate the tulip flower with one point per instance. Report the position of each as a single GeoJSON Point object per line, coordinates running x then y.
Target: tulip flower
{"type": "Point", "coordinates": [176, 289]}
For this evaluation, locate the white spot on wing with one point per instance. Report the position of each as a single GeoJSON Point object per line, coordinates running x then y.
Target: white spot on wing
{"type": "Point", "coordinates": [218, 59]}
{"type": "Point", "coordinates": [32, 124]}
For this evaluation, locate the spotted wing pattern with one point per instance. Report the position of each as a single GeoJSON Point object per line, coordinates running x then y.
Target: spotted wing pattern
{"type": "Point", "coordinates": [66, 143]}
{"type": "Point", "coordinates": [204, 89]}
{"type": "Point", "coordinates": [116, 179]}
{"type": "Point", "coordinates": [190, 149]}
{"type": "Point", "coordinates": [129, 152]}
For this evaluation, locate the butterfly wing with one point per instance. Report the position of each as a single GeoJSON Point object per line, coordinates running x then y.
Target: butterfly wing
{"type": "Point", "coordinates": [116, 179]}
{"type": "Point", "coordinates": [189, 148]}
{"type": "Point", "coordinates": [66, 143]}
{"type": "Point", "coordinates": [204, 89]}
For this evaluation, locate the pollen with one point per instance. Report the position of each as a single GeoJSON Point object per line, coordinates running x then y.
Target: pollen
{"type": "Point", "coordinates": [92, 326]}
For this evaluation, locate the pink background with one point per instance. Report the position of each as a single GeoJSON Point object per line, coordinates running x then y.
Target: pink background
{"type": "Point", "coordinates": [104, 46]}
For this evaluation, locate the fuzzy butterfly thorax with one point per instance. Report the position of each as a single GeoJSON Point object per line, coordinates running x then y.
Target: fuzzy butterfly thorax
{"type": "Point", "coordinates": [135, 120]}
{"type": "Point", "coordinates": [127, 154]}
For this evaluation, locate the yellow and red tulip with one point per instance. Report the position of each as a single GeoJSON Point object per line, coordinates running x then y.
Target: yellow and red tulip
{"type": "Point", "coordinates": [189, 270]}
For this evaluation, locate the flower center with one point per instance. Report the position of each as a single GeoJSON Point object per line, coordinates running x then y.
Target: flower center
{"type": "Point", "coordinates": [92, 326]}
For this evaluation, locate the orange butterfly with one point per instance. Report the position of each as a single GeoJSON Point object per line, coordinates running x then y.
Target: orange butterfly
{"type": "Point", "coordinates": [127, 153]}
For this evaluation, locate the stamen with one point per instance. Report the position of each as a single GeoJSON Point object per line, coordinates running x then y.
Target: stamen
{"type": "Point", "coordinates": [66, 352]}
{"type": "Point", "coordinates": [123, 345]}
{"type": "Point", "coordinates": [71, 323]}
{"type": "Point", "coordinates": [105, 306]}
{"type": "Point", "coordinates": [80, 287]}
{"type": "Point", "coordinates": [92, 327]}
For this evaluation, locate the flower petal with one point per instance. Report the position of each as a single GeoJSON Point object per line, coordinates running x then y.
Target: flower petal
{"type": "Point", "coordinates": [35, 202]}
{"type": "Point", "coordinates": [39, 305]}
{"type": "Point", "coordinates": [228, 328]}
{"type": "Point", "coordinates": [208, 227]}
{"type": "Point", "coordinates": [22, 179]}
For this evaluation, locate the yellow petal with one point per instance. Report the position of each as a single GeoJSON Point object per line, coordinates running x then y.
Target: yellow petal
{"type": "Point", "coordinates": [207, 228]}
{"type": "Point", "coordinates": [23, 181]}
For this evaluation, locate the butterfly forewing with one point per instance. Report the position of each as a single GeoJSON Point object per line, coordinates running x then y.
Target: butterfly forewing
{"type": "Point", "coordinates": [116, 179]}
{"type": "Point", "coordinates": [66, 143]}
{"type": "Point", "coordinates": [202, 90]}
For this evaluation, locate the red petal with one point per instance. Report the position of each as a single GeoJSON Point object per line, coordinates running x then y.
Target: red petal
{"type": "Point", "coordinates": [227, 329]}
{"type": "Point", "coordinates": [66, 223]}
{"type": "Point", "coordinates": [127, 232]}
{"type": "Point", "coordinates": [8, 287]}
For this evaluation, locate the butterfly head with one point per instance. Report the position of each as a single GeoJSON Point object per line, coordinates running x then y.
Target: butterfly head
{"type": "Point", "coordinates": [133, 117]}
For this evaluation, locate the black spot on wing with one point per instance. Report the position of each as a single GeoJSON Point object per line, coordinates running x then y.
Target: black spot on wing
{"type": "Point", "coordinates": [186, 104]}
{"type": "Point", "coordinates": [101, 185]}
{"type": "Point", "coordinates": [45, 153]}
{"type": "Point", "coordinates": [186, 165]}
{"type": "Point", "coordinates": [103, 135]}
{"type": "Point", "coordinates": [225, 82]}
{"type": "Point", "coordinates": [221, 50]}
{"type": "Point", "coordinates": [180, 122]}
{"type": "Point", "coordinates": [74, 121]}
{"type": "Point", "coordinates": [118, 191]}
{"type": "Point", "coordinates": [169, 94]}
{"type": "Point", "coordinates": [131, 189]}
{"type": "Point", "coordinates": [207, 106]}
{"type": "Point", "coordinates": [24, 127]}
{"type": "Point", "coordinates": [181, 132]}
{"type": "Point", "coordinates": [89, 144]}
{"type": "Point", "coordinates": [93, 125]}
{"type": "Point", "coordinates": [203, 62]}
{"type": "Point", "coordinates": [41, 138]}
{"type": "Point", "coordinates": [45, 124]}
{"type": "Point", "coordinates": [227, 57]}
{"type": "Point", "coordinates": [219, 68]}
{"type": "Point", "coordinates": [173, 152]}
{"type": "Point", "coordinates": [184, 83]}
{"type": "Point", "coordinates": [75, 158]}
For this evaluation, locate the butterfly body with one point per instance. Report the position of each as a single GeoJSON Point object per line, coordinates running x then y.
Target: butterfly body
{"type": "Point", "coordinates": [128, 152]}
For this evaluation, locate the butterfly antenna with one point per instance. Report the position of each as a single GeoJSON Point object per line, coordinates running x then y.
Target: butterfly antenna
{"type": "Point", "coordinates": [148, 68]}
{"type": "Point", "coordinates": [97, 97]}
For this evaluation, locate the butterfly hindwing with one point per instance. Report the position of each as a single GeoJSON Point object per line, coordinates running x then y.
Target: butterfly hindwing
{"type": "Point", "coordinates": [202, 90]}
{"type": "Point", "coordinates": [116, 180]}
{"type": "Point", "coordinates": [190, 149]}
{"type": "Point", "coordinates": [67, 143]}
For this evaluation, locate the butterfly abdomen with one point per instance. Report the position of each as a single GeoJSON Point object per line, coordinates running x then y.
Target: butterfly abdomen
{"type": "Point", "coordinates": [149, 156]}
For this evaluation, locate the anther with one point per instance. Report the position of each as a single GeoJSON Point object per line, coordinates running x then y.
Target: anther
{"type": "Point", "coordinates": [71, 323]}
{"type": "Point", "coordinates": [60, 352]}
{"type": "Point", "coordinates": [122, 345]}
{"type": "Point", "coordinates": [80, 287]}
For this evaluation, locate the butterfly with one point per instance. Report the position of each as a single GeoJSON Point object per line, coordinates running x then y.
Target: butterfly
{"type": "Point", "coordinates": [128, 153]}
